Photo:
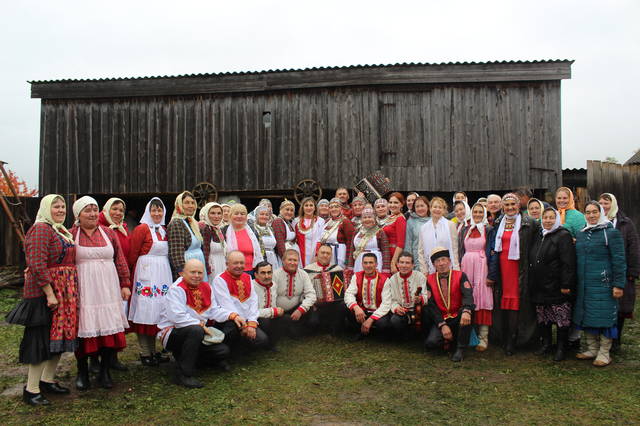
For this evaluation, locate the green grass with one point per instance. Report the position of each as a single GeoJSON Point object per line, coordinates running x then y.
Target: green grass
{"type": "Point", "coordinates": [327, 380]}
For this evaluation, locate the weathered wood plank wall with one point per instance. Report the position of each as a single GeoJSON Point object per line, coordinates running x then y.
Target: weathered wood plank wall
{"type": "Point", "coordinates": [476, 137]}
{"type": "Point", "coordinates": [621, 181]}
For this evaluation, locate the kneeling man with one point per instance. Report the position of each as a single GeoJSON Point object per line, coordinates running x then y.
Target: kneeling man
{"type": "Point", "coordinates": [408, 291]}
{"type": "Point", "coordinates": [269, 315]}
{"type": "Point", "coordinates": [368, 299]}
{"type": "Point", "coordinates": [234, 292]}
{"type": "Point", "coordinates": [450, 306]}
{"type": "Point", "coordinates": [187, 308]}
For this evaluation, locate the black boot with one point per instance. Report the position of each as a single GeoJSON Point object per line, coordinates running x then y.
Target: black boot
{"type": "Point", "coordinates": [34, 399]}
{"type": "Point", "coordinates": [82, 380]}
{"type": "Point", "coordinates": [104, 378]}
{"type": "Point", "coordinates": [563, 344]}
{"type": "Point", "coordinates": [512, 333]}
{"type": "Point", "coordinates": [545, 334]}
{"type": "Point", "coordinates": [94, 365]}
{"type": "Point", "coordinates": [114, 364]}
{"type": "Point", "coordinates": [458, 354]}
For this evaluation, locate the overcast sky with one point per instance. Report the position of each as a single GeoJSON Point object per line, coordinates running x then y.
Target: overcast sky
{"type": "Point", "coordinates": [67, 39]}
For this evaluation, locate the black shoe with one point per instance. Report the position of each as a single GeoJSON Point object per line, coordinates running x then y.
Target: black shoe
{"type": "Point", "coordinates": [545, 334]}
{"type": "Point", "coordinates": [149, 361]}
{"type": "Point", "coordinates": [114, 364]}
{"type": "Point", "coordinates": [357, 337]}
{"type": "Point", "coordinates": [34, 399]}
{"type": "Point", "coordinates": [510, 348]}
{"type": "Point", "coordinates": [561, 350]}
{"type": "Point", "coordinates": [615, 346]}
{"type": "Point", "coordinates": [82, 380]}
{"type": "Point", "coordinates": [188, 381]}
{"type": "Point", "coordinates": [53, 388]}
{"type": "Point", "coordinates": [162, 357]}
{"type": "Point", "coordinates": [224, 365]}
{"type": "Point", "coordinates": [94, 365]}
{"type": "Point", "coordinates": [273, 349]}
{"type": "Point", "coordinates": [457, 355]}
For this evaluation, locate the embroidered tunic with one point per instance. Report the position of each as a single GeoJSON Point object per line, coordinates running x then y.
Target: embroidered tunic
{"type": "Point", "coordinates": [235, 294]}
{"type": "Point", "coordinates": [184, 306]}
{"type": "Point", "coordinates": [396, 230]}
{"type": "Point", "coordinates": [450, 295]}
{"type": "Point", "coordinates": [370, 293]}
{"type": "Point", "coordinates": [285, 235]}
{"type": "Point", "coordinates": [403, 289]}
{"type": "Point", "coordinates": [338, 234]}
{"type": "Point", "coordinates": [267, 296]}
{"type": "Point", "coordinates": [308, 234]}
{"type": "Point", "coordinates": [295, 291]}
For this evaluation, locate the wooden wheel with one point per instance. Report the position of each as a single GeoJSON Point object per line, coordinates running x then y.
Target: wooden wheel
{"type": "Point", "coordinates": [307, 188]}
{"type": "Point", "coordinates": [205, 192]}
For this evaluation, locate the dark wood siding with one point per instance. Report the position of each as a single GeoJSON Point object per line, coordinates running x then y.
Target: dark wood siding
{"type": "Point", "coordinates": [429, 137]}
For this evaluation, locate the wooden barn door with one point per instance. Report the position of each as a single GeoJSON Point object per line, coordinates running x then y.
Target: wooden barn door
{"type": "Point", "coordinates": [403, 151]}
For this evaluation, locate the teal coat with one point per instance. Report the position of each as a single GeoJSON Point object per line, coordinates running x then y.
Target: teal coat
{"type": "Point", "coordinates": [412, 238]}
{"type": "Point", "coordinates": [601, 265]}
{"type": "Point", "coordinates": [574, 222]}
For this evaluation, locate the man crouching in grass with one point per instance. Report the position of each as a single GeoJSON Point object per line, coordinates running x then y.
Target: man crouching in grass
{"type": "Point", "coordinates": [368, 300]}
{"type": "Point", "coordinates": [188, 306]}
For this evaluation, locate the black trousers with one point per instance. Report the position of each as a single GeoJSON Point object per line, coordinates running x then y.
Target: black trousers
{"type": "Point", "coordinates": [272, 327]}
{"type": "Point", "coordinates": [294, 329]}
{"type": "Point", "coordinates": [233, 338]}
{"type": "Point", "coordinates": [186, 345]}
{"type": "Point", "coordinates": [381, 327]}
{"type": "Point", "coordinates": [400, 326]}
{"type": "Point", "coordinates": [327, 317]}
{"type": "Point", "coordinates": [435, 340]}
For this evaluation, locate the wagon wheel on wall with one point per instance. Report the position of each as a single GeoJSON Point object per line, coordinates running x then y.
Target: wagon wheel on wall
{"type": "Point", "coordinates": [205, 192]}
{"type": "Point", "coordinates": [307, 188]}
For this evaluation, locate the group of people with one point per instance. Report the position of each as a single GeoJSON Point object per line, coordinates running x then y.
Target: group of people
{"type": "Point", "coordinates": [505, 267]}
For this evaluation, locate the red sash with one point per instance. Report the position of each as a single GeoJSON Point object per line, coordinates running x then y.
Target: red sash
{"type": "Point", "coordinates": [454, 294]}
{"type": "Point", "coordinates": [198, 298]}
{"type": "Point", "coordinates": [382, 278]}
{"type": "Point", "coordinates": [240, 288]}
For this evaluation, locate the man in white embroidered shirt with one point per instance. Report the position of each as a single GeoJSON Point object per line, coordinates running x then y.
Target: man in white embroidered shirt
{"type": "Point", "coordinates": [187, 308]}
{"type": "Point", "coordinates": [295, 294]}
{"type": "Point", "coordinates": [234, 291]}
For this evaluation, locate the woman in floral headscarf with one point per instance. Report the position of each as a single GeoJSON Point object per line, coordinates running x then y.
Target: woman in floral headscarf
{"type": "Point", "coordinates": [185, 239]}
{"type": "Point", "coordinates": [112, 216]}
{"type": "Point", "coordinates": [48, 310]}
{"type": "Point", "coordinates": [213, 245]}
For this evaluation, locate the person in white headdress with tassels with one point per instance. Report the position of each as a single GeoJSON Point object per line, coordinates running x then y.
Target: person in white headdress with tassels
{"type": "Point", "coordinates": [149, 263]}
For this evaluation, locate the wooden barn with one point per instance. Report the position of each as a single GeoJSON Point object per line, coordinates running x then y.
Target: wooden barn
{"type": "Point", "coordinates": [429, 127]}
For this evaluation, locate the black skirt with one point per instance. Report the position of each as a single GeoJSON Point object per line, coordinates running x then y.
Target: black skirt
{"type": "Point", "coordinates": [35, 316]}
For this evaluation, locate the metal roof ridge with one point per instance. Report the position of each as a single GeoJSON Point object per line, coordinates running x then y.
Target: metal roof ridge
{"type": "Point", "coordinates": [325, 68]}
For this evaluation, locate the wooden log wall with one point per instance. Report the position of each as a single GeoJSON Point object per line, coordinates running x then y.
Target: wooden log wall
{"type": "Point", "coordinates": [431, 137]}
{"type": "Point", "coordinates": [621, 181]}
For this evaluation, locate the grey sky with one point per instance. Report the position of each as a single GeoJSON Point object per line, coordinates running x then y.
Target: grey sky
{"type": "Point", "coordinates": [82, 39]}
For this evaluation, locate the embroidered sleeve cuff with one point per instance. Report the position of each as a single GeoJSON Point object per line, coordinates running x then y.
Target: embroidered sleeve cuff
{"type": "Point", "coordinates": [302, 310]}
{"type": "Point", "coordinates": [275, 312]}
{"type": "Point", "coordinates": [353, 305]}
{"type": "Point", "coordinates": [233, 316]}
{"type": "Point", "coordinates": [374, 317]}
{"type": "Point", "coordinates": [252, 324]}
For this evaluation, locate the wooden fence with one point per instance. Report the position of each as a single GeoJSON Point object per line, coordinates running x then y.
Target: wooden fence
{"type": "Point", "coordinates": [621, 181]}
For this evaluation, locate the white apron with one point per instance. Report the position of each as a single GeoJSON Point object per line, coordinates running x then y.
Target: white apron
{"type": "Point", "coordinates": [371, 247]}
{"type": "Point", "coordinates": [216, 259]}
{"type": "Point", "coordinates": [338, 250]}
{"type": "Point", "coordinates": [151, 281]}
{"type": "Point", "coordinates": [269, 243]}
{"type": "Point", "coordinates": [100, 302]}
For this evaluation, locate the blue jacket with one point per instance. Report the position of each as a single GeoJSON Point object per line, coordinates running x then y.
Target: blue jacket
{"type": "Point", "coordinates": [601, 265]}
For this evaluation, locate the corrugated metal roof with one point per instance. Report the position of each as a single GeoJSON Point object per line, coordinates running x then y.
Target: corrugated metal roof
{"type": "Point", "coordinates": [330, 68]}
{"type": "Point", "coordinates": [635, 159]}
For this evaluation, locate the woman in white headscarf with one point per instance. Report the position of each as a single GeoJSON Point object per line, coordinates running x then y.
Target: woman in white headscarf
{"type": "Point", "coordinates": [265, 235]}
{"type": "Point", "coordinates": [509, 244]}
{"type": "Point", "coordinates": [213, 243]}
{"type": "Point", "coordinates": [149, 261]}
{"type": "Point", "coordinates": [472, 242]}
{"type": "Point", "coordinates": [552, 272]}
{"type": "Point", "coordinates": [629, 233]}
{"type": "Point", "coordinates": [48, 310]}
{"type": "Point", "coordinates": [438, 232]}
{"type": "Point", "coordinates": [462, 214]}
{"type": "Point", "coordinates": [103, 282]}
{"type": "Point", "coordinates": [602, 276]}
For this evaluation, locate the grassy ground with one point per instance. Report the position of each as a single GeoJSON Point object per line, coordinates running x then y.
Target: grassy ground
{"type": "Point", "coordinates": [329, 380]}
